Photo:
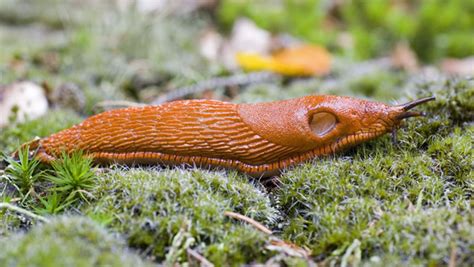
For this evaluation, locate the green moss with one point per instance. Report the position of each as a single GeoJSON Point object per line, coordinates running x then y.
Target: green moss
{"type": "Point", "coordinates": [381, 85]}
{"type": "Point", "coordinates": [73, 176]}
{"type": "Point", "coordinates": [66, 241]}
{"type": "Point", "coordinates": [453, 99]}
{"type": "Point", "coordinates": [23, 173]}
{"type": "Point", "coordinates": [407, 203]}
{"type": "Point", "coordinates": [454, 155]}
{"type": "Point", "coordinates": [334, 201]}
{"type": "Point", "coordinates": [151, 207]}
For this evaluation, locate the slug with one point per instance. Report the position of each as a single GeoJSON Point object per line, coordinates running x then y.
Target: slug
{"type": "Point", "coordinates": [258, 139]}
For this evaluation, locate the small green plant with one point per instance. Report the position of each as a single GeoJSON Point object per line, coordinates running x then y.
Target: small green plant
{"type": "Point", "coordinates": [73, 176]}
{"type": "Point", "coordinates": [4, 196]}
{"type": "Point", "coordinates": [53, 204]}
{"type": "Point", "coordinates": [22, 173]}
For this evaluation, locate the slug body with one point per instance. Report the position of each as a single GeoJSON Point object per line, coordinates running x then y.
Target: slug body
{"type": "Point", "coordinates": [258, 139]}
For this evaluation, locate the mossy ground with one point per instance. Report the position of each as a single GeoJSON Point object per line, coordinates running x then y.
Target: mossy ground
{"type": "Point", "coordinates": [380, 203]}
{"type": "Point", "coordinates": [67, 241]}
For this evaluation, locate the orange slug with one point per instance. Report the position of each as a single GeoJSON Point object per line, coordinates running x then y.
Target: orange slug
{"type": "Point", "coordinates": [258, 139]}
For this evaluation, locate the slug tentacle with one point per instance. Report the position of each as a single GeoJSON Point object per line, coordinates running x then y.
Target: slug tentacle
{"type": "Point", "coordinates": [258, 139]}
{"type": "Point", "coordinates": [414, 103]}
{"type": "Point", "coordinates": [408, 106]}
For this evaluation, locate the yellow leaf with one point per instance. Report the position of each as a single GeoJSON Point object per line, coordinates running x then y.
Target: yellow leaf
{"type": "Point", "coordinates": [253, 62]}
{"type": "Point", "coordinates": [305, 60]}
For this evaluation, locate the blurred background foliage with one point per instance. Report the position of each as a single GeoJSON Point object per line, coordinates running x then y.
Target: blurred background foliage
{"type": "Point", "coordinates": [433, 28]}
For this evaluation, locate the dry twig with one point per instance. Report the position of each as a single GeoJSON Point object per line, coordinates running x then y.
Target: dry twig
{"type": "Point", "coordinates": [194, 254]}
{"type": "Point", "coordinates": [254, 223]}
{"type": "Point", "coordinates": [233, 80]}
{"type": "Point", "coordinates": [452, 257]}
{"type": "Point", "coordinates": [115, 104]}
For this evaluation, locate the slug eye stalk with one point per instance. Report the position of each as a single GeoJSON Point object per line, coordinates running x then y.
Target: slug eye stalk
{"type": "Point", "coordinates": [414, 103]}
{"type": "Point", "coordinates": [407, 106]}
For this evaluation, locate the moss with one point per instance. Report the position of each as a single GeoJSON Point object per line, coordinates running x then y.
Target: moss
{"type": "Point", "coordinates": [407, 203]}
{"type": "Point", "coordinates": [398, 203]}
{"type": "Point", "coordinates": [66, 241]}
{"type": "Point", "coordinates": [454, 155]}
{"type": "Point", "coordinates": [151, 207]}
{"type": "Point", "coordinates": [47, 12]}
{"type": "Point", "coordinates": [120, 59]}
{"type": "Point", "coordinates": [453, 103]}
{"type": "Point", "coordinates": [10, 223]}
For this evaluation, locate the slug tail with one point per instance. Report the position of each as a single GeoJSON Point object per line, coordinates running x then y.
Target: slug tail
{"type": "Point", "coordinates": [35, 150]}
{"type": "Point", "coordinates": [32, 146]}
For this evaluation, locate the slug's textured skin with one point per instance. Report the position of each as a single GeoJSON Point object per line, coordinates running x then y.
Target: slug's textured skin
{"type": "Point", "coordinates": [259, 139]}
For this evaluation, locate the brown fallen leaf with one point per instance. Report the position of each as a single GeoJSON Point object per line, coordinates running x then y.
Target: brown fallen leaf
{"type": "Point", "coordinates": [404, 58]}
{"type": "Point", "coordinates": [458, 66]}
{"type": "Point", "coordinates": [251, 221]}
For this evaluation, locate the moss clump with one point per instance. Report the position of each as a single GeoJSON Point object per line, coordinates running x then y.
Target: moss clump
{"type": "Point", "coordinates": [335, 201]}
{"type": "Point", "coordinates": [66, 241]}
{"type": "Point", "coordinates": [453, 105]}
{"type": "Point", "coordinates": [455, 155]}
{"type": "Point", "coordinates": [155, 208]}
{"type": "Point", "coordinates": [379, 85]}
{"type": "Point", "coordinates": [452, 111]}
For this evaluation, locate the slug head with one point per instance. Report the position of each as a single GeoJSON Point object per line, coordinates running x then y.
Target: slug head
{"type": "Point", "coordinates": [343, 121]}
